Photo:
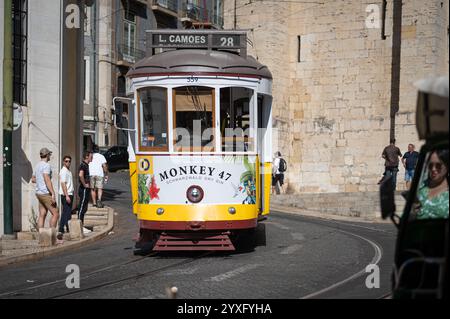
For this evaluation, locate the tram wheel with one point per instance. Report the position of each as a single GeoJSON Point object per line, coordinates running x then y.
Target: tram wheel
{"type": "Point", "coordinates": [145, 243]}
{"type": "Point", "coordinates": [245, 240]}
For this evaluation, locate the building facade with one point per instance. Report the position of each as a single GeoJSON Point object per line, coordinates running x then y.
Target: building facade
{"type": "Point", "coordinates": [47, 43]}
{"type": "Point", "coordinates": [115, 39]}
{"type": "Point", "coordinates": [343, 81]}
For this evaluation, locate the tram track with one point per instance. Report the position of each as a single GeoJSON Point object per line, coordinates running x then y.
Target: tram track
{"type": "Point", "coordinates": [378, 251]}
{"type": "Point", "coordinates": [358, 232]}
{"type": "Point", "coordinates": [19, 292]}
{"type": "Point", "coordinates": [23, 291]}
{"type": "Point", "coordinates": [132, 277]}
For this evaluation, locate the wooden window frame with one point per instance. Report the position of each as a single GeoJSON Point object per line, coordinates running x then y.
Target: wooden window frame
{"type": "Point", "coordinates": [249, 139]}
{"type": "Point", "coordinates": [174, 122]}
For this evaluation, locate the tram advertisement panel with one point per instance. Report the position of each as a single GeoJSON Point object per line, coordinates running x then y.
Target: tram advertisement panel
{"type": "Point", "coordinates": [196, 179]}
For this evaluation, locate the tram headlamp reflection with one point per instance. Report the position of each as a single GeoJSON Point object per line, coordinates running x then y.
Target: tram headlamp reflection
{"type": "Point", "coordinates": [232, 210]}
{"type": "Point", "coordinates": [160, 211]}
{"type": "Point", "coordinates": [195, 194]}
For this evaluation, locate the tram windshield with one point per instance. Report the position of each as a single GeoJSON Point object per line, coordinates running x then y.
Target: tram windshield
{"type": "Point", "coordinates": [194, 118]}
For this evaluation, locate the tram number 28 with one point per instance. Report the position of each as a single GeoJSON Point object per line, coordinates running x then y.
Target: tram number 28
{"type": "Point", "coordinates": [226, 41]}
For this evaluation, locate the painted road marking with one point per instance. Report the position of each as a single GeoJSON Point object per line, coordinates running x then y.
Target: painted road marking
{"type": "Point", "coordinates": [290, 249]}
{"type": "Point", "coordinates": [281, 226]}
{"type": "Point", "coordinates": [234, 273]}
{"type": "Point", "coordinates": [186, 271]}
{"type": "Point", "coordinates": [298, 236]}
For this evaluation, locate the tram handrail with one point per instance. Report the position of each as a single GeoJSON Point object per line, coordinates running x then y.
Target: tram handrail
{"type": "Point", "coordinates": [114, 116]}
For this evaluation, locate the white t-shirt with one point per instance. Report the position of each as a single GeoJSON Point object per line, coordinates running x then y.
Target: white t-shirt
{"type": "Point", "coordinates": [276, 166]}
{"type": "Point", "coordinates": [95, 167]}
{"type": "Point", "coordinates": [39, 171]}
{"type": "Point", "coordinates": [65, 176]}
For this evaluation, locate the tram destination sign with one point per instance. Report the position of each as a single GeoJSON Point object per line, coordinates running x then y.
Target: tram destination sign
{"type": "Point", "coordinates": [197, 39]}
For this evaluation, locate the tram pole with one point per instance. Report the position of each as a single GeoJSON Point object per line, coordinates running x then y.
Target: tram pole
{"type": "Point", "coordinates": [7, 118]}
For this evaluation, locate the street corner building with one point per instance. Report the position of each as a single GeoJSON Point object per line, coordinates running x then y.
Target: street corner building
{"type": "Point", "coordinates": [41, 91]}
{"type": "Point", "coordinates": [343, 74]}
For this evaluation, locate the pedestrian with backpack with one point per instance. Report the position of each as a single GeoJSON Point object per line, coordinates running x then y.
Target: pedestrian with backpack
{"type": "Point", "coordinates": [278, 168]}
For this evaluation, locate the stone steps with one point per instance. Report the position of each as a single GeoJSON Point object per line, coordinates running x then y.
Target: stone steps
{"type": "Point", "coordinates": [94, 222]}
{"type": "Point", "coordinates": [98, 217]}
{"type": "Point", "coordinates": [14, 244]}
{"type": "Point", "coordinates": [96, 213]}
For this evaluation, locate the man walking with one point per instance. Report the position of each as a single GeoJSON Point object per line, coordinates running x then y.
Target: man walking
{"type": "Point", "coordinates": [391, 154]}
{"type": "Point", "coordinates": [98, 171]}
{"type": "Point", "coordinates": [66, 193]}
{"type": "Point", "coordinates": [84, 188]}
{"type": "Point", "coordinates": [278, 169]}
{"type": "Point", "coordinates": [44, 189]}
{"type": "Point", "coordinates": [409, 161]}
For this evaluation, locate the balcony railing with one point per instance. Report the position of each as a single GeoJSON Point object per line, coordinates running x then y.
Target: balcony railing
{"type": "Point", "coordinates": [201, 14]}
{"type": "Point", "coordinates": [171, 5]}
{"type": "Point", "coordinates": [130, 54]}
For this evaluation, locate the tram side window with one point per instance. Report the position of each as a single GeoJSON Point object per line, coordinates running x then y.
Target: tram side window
{"type": "Point", "coordinates": [153, 111]}
{"type": "Point", "coordinates": [194, 118]}
{"type": "Point", "coordinates": [235, 120]}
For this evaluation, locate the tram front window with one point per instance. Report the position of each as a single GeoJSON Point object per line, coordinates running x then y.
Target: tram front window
{"type": "Point", "coordinates": [235, 119]}
{"type": "Point", "coordinates": [153, 118]}
{"type": "Point", "coordinates": [194, 118]}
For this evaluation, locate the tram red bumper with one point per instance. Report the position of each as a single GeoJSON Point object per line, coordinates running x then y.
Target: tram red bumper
{"type": "Point", "coordinates": [194, 235]}
{"type": "Point", "coordinates": [177, 241]}
{"type": "Point", "coordinates": [198, 225]}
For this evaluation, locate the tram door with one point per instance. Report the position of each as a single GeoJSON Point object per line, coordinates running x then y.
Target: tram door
{"type": "Point", "coordinates": [264, 149]}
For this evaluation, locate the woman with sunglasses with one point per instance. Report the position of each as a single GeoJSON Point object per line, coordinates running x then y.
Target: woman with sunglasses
{"type": "Point", "coordinates": [433, 195]}
{"type": "Point", "coordinates": [66, 192]}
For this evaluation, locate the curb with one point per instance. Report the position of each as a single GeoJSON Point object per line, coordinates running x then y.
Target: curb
{"type": "Point", "coordinates": [296, 211]}
{"type": "Point", "coordinates": [57, 249]}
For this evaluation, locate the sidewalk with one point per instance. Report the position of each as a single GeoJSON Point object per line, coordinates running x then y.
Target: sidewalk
{"type": "Point", "coordinates": [26, 246]}
{"type": "Point", "coordinates": [357, 207]}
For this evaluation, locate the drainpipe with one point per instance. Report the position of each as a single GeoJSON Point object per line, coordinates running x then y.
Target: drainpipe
{"type": "Point", "coordinates": [95, 22]}
{"type": "Point", "coordinates": [396, 63]}
{"type": "Point", "coordinates": [235, 16]}
{"type": "Point", "coordinates": [7, 118]}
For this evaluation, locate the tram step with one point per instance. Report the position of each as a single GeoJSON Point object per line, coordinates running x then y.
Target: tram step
{"type": "Point", "coordinates": [189, 241]}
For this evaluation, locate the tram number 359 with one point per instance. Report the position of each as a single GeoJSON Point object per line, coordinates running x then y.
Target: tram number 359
{"type": "Point", "coordinates": [192, 79]}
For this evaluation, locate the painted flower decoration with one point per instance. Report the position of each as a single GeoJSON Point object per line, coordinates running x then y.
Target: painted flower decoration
{"type": "Point", "coordinates": [153, 190]}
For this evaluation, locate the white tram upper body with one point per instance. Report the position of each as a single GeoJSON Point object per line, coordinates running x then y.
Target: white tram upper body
{"type": "Point", "coordinates": [200, 149]}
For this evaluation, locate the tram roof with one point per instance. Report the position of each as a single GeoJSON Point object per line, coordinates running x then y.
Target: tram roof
{"type": "Point", "coordinates": [199, 62]}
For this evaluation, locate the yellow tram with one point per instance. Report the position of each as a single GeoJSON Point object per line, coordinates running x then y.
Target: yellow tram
{"type": "Point", "coordinates": [199, 127]}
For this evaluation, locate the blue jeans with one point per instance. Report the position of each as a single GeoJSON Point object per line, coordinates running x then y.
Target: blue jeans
{"type": "Point", "coordinates": [409, 175]}
{"type": "Point", "coordinates": [66, 213]}
{"type": "Point", "coordinates": [391, 171]}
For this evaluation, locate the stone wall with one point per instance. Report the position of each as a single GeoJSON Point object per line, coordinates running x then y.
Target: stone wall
{"type": "Point", "coordinates": [332, 109]}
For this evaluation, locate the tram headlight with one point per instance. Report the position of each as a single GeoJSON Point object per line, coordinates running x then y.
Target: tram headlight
{"type": "Point", "coordinates": [232, 210]}
{"type": "Point", "coordinates": [194, 194]}
{"type": "Point", "coordinates": [160, 211]}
